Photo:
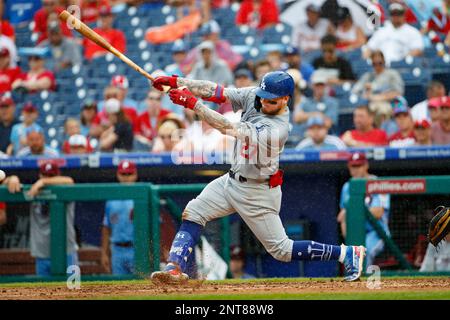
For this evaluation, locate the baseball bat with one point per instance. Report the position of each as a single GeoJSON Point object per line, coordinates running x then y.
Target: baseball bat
{"type": "Point", "coordinates": [99, 40]}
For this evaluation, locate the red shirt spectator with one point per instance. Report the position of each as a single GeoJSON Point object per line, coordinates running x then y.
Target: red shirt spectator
{"type": "Point", "coordinates": [145, 127]}
{"type": "Point", "coordinates": [90, 10]}
{"type": "Point", "coordinates": [365, 134]}
{"type": "Point", "coordinates": [130, 113]}
{"type": "Point", "coordinates": [7, 75]}
{"type": "Point", "coordinates": [440, 130]}
{"type": "Point", "coordinates": [258, 13]}
{"type": "Point", "coordinates": [37, 78]}
{"type": "Point", "coordinates": [115, 37]}
{"type": "Point", "coordinates": [49, 7]}
{"type": "Point", "coordinates": [398, 138]}
{"type": "Point", "coordinates": [7, 29]}
{"type": "Point", "coordinates": [374, 136]}
{"type": "Point", "coordinates": [439, 23]}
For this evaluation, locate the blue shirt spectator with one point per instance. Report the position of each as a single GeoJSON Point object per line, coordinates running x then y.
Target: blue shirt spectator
{"type": "Point", "coordinates": [318, 137]}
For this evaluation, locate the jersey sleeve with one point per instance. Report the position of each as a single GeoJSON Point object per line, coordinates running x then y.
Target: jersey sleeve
{"type": "Point", "coordinates": [344, 195]}
{"type": "Point", "coordinates": [2, 206]}
{"type": "Point", "coordinates": [238, 97]}
{"type": "Point", "coordinates": [106, 220]}
{"type": "Point", "coordinates": [379, 200]}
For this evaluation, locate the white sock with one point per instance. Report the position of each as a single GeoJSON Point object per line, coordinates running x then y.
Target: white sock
{"type": "Point", "coordinates": [343, 252]}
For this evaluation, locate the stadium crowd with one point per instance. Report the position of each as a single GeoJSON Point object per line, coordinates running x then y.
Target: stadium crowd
{"type": "Point", "coordinates": [320, 55]}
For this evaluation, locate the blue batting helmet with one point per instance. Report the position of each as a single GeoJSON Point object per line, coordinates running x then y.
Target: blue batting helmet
{"type": "Point", "coordinates": [275, 85]}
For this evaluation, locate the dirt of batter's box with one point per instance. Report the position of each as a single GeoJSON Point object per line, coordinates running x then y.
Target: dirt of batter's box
{"type": "Point", "coordinates": [98, 290]}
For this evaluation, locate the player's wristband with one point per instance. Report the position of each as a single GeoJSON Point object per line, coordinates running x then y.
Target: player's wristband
{"type": "Point", "coordinates": [218, 96]}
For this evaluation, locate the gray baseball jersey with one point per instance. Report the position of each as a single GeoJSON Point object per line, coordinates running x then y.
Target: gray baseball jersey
{"type": "Point", "coordinates": [40, 229]}
{"type": "Point", "coordinates": [258, 156]}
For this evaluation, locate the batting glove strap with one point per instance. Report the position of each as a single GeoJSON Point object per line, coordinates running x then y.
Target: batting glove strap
{"type": "Point", "coordinates": [165, 81]}
{"type": "Point", "coordinates": [183, 97]}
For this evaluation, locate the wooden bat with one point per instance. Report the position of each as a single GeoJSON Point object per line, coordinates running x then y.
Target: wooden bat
{"type": "Point", "coordinates": [95, 37]}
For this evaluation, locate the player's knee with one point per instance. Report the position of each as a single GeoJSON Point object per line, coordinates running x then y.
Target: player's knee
{"type": "Point", "coordinates": [281, 251]}
{"type": "Point", "coordinates": [192, 213]}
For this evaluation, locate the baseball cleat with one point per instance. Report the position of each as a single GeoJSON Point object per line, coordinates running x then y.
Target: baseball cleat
{"type": "Point", "coordinates": [170, 275]}
{"type": "Point", "coordinates": [353, 262]}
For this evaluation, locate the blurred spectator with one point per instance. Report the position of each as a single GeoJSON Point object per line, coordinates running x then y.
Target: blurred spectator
{"type": "Point", "coordinates": [438, 25]}
{"type": "Point", "coordinates": [210, 67]}
{"type": "Point", "coordinates": [396, 39]}
{"type": "Point", "coordinates": [435, 89]}
{"type": "Point", "coordinates": [275, 58]}
{"type": "Point", "coordinates": [188, 7]}
{"type": "Point", "coordinates": [349, 35]}
{"type": "Point", "coordinates": [90, 10]}
{"type": "Point", "coordinates": [49, 9]}
{"type": "Point", "coordinates": [72, 129]}
{"type": "Point", "coordinates": [318, 137]}
{"type": "Point", "coordinates": [149, 121]}
{"type": "Point", "coordinates": [377, 204]}
{"type": "Point", "coordinates": [105, 29]}
{"type": "Point", "coordinates": [380, 86]}
{"type": "Point", "coordinates": [237, 264]}
{"type": "Point", "coordinates": [36, 145]}
{"type": "Point", "coordinates": [422, 133]}
{"type": "Point", "coordinates": [434, 109]}
{"type": "Point", "coordinates": [243, 78]}
{"type": "Point", "coordinates": [77, 144]}
{"type": "Point", "coordinates": [87, 116]}
{"type": "Point", "coordinates": [65, 52]}
{"type": "Point", "coordinates": [121, 82]}
{"type": "Point", "coordinates": [38, 78]}
{"type": "Point", "coordinates": [7, 74]}
{"type": "Point", "coordinates": [320, 104]}
{"type": "Point", "coordinates": [364, 134]}
{"type": "Point", "coordinates": [338, 69]}
{"type": "Point", "coordinates": [404, 137]}
{"type": "Point", "coordinates": [294, 61]}
{"type": "Point", "coordinates": [179, 54]}
{"type": "Point", "coordinates": [118, 134]}
{"type": "Point", "coordinates": [7, 43]}
{"type": "Point", "coordinates": [7, 28]}
{"type": "Point", "coordinates": [307, 35]}
{"type": "Point", "coordinates": [101, 119]}
{"type": "Point", "coordinates": [437, 259]}
{"type": "Point", "coordinates": [440, 130]}
{"type": "Point", "coordinates": [299, 85]}
{"type": "Point", "coordinates": [261, 68]}
{"type": "Point", "coordinates": [210, 31]}
{"type": "Point", "coordinates": [7, 121]}
{"type": "Point", "coordinates": [49, 174]}
{"type": "Point", "coordinates": [19, 131]}
{"type": "Point", "coordinates": [117, 251]}
{"type": "Point", "coordinates": [258, 14]}
{"type": "Point", "coordinates": [169, 136]}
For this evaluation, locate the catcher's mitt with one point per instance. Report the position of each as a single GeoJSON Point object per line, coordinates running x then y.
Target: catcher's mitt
{"type": "Point", "coordinates": [439, 225]}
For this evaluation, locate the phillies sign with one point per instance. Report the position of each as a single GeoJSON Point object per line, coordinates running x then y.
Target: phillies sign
{"type": "Point", "coordinates": [397, 186]}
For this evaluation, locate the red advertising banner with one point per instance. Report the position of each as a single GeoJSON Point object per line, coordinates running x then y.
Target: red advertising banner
{"type": "Point", "coordinates": [397, 186]}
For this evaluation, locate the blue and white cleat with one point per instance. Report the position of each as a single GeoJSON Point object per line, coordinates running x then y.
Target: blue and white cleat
{"type": "Point", "coordinates": [170, 275]}
{"type": "Point", "coordinates": [354, 262]}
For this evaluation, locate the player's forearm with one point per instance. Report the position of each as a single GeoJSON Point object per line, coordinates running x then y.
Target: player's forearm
{"type": "Point", "coordinates": [219, 122]}
{"type": "Point", "coordinates": [201, 88]}
{"type": "Point", "coordinates": [105, 240]}
{"type": "Point", "coordinates": [57, 180]}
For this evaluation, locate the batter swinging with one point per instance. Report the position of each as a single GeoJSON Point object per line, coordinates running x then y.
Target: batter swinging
{"type": "Point", "coordinates": [252, 187]}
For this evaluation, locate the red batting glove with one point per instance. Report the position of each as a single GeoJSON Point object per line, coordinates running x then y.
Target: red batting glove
{"type": "Point", "coordinates": [165, 81]}
{"type": "Point", "coordinates": [183, 97]}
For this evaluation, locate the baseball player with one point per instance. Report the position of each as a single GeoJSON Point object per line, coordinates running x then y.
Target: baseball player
{"type": "Point", "coordinates": [118, 230]}
{"type": "Point", "coordinates": [49, 174]}
{"type": "Point", "coordinates": [252, 187]}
